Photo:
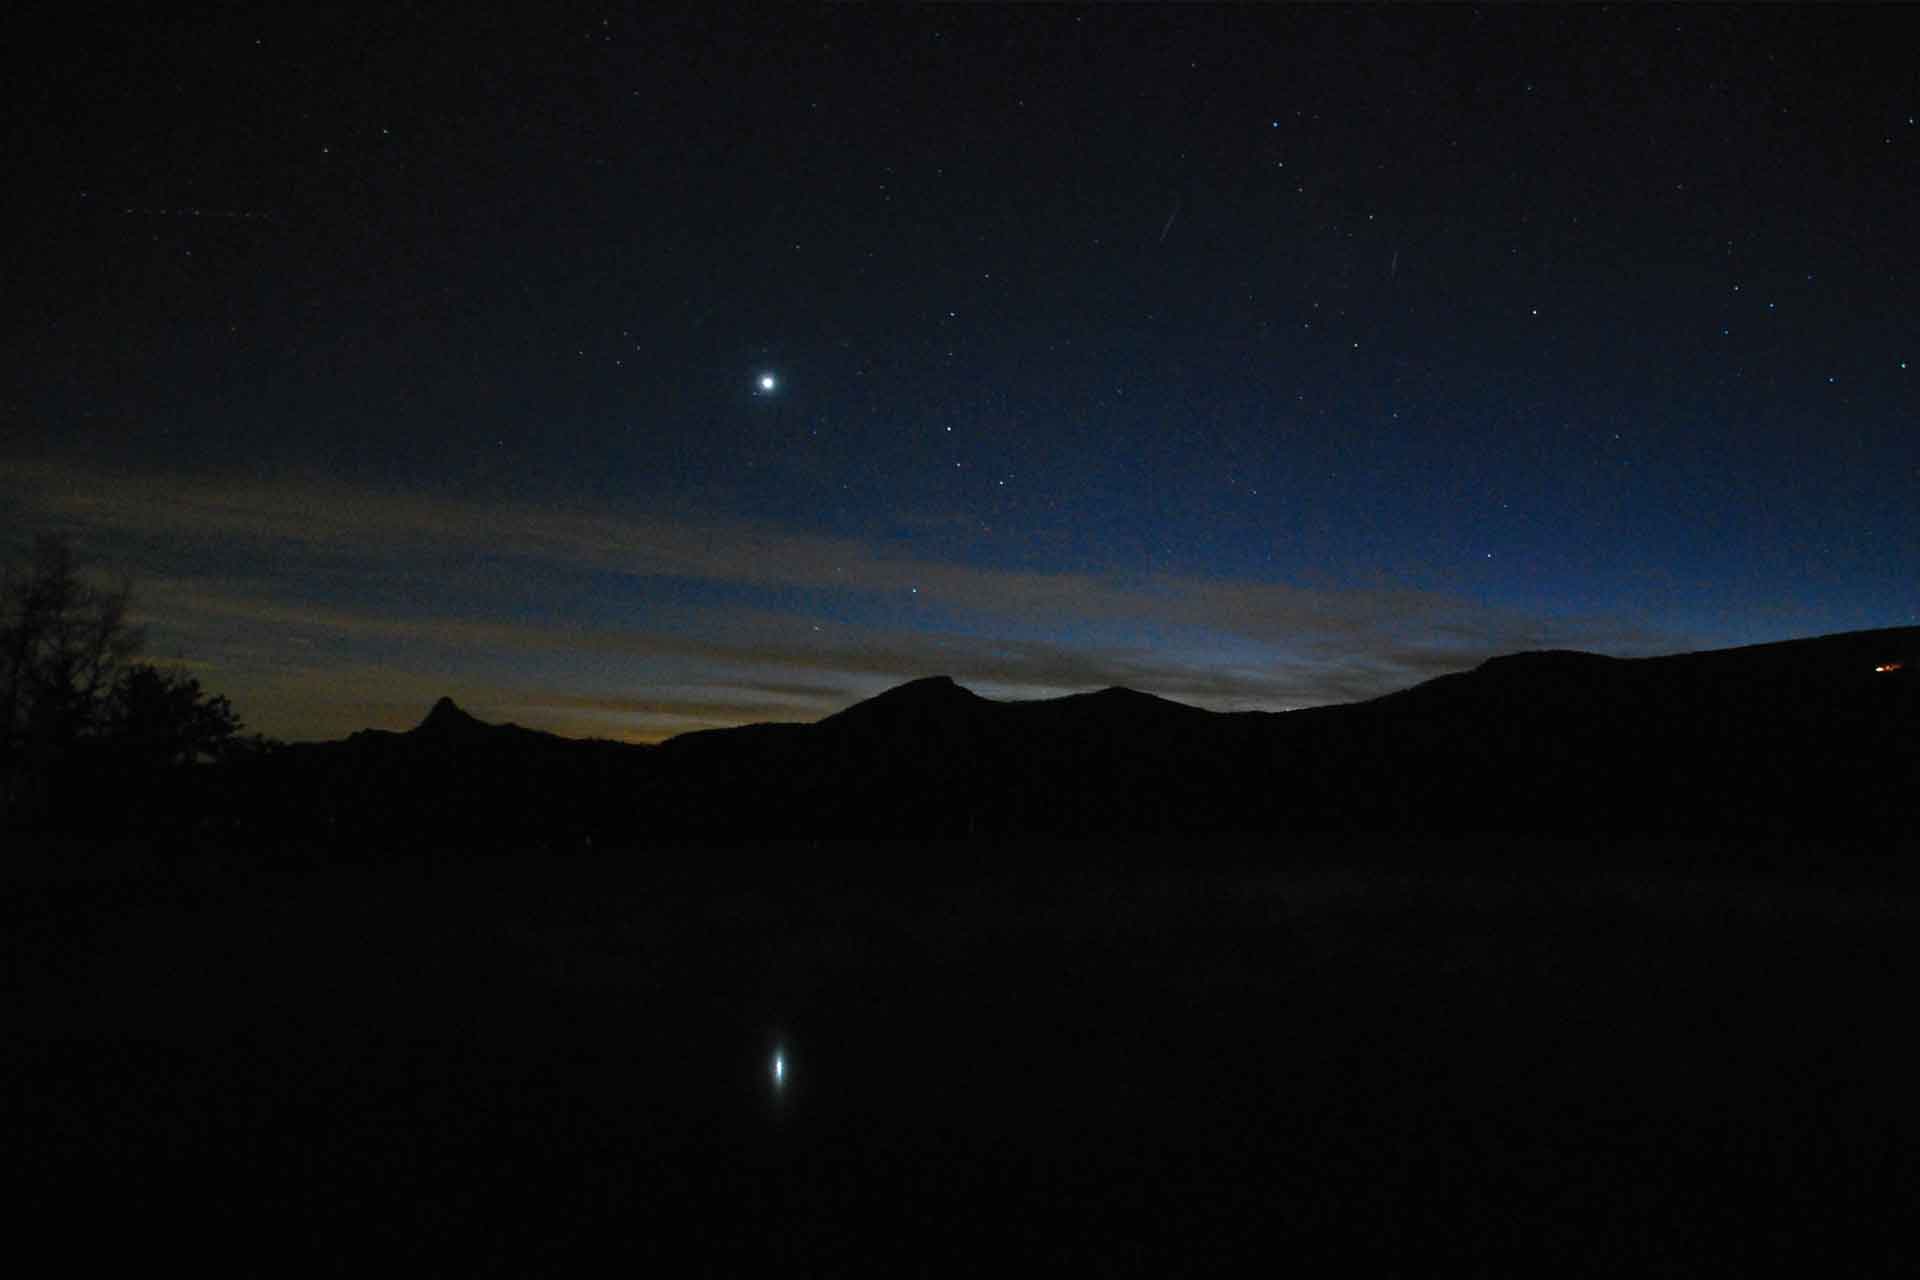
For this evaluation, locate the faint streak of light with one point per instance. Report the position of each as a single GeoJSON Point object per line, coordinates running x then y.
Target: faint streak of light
{"type": "Point", "coordinates": [1177, 200]}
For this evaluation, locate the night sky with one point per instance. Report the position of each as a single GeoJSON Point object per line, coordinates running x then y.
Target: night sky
{"type": "Point", "coordinates": [1257, 359]}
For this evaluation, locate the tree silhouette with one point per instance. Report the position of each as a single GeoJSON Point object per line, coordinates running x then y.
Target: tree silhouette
{"type": "Point", "coordinates": [160, 719]}
{"type": "Point", "coordinates": [88, 738]}
{"type": "Point", "coordinates": [63, 643]}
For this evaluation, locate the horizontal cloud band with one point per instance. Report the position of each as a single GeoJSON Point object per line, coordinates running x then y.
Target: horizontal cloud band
{"type": "Point", "coordinates": [321, 607]}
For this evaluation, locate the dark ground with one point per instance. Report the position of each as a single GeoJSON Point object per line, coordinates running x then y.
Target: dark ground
{"type": "Point", "coordinates": [531, 1067]}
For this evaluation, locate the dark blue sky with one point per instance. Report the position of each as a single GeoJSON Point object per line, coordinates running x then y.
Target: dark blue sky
{"type": "Point", "coordinates": [1252, 358]}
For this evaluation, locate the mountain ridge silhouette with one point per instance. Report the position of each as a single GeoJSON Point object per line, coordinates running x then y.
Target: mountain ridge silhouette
{"type": "Point", "coordinates": [1799, 738]}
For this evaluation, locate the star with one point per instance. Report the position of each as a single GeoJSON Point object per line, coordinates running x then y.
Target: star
{"type": "Point", "coordinates": [767, 383]}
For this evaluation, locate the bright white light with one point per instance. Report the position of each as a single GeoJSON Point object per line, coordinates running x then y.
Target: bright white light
{"type": "Point", "coordinates": [779, 1068]}
{"type": "Point", "coordinates": [768, 382]}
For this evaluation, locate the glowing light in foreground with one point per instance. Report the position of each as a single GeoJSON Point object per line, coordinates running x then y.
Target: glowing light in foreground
{"type": "Point", "coordinates": [1885, 667]}
{"type": "Point", "coordinates": [779, 1068]}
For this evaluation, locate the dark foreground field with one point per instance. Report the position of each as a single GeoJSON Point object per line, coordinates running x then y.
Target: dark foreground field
{"type": "Point", "coordinates": [517, 1067]}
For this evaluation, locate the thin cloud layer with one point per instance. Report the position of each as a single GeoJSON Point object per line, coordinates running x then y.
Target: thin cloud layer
{"type": "Point", "coordinates": [333, 608]}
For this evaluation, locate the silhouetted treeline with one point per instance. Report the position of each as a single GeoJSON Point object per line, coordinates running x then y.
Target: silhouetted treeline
{"type": "Point", "coordinates": [91, 742]}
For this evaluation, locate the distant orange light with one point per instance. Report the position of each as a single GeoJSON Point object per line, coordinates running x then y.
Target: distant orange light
{"type": "Point", "coordinates": [1885, 667]}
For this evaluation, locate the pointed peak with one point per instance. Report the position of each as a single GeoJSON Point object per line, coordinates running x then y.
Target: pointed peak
{"type": "Point", "coordinates": [447, 717]}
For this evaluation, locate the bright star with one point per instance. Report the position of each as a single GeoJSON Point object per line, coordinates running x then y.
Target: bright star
{"type": "Point", "coordinates": [779, 1068]}
{"type": "Point", "coordinates": [768, 382]}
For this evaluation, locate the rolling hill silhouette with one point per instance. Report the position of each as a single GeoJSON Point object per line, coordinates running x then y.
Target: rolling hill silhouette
{"type": "Point", "coordinates": [1808, 738]}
